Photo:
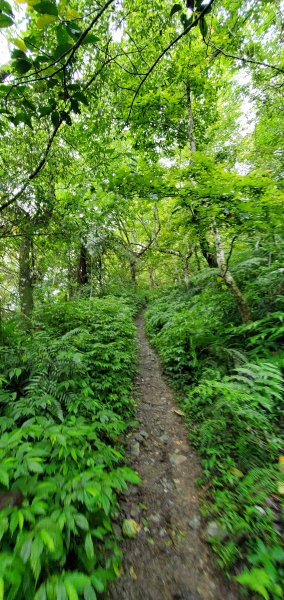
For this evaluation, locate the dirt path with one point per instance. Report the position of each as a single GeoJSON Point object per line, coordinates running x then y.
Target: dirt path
{"type": "Point", "coordinates": [168, 559]}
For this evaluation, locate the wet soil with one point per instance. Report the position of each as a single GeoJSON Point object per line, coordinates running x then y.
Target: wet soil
{"type": "Point", "coordinates": [168, 559]}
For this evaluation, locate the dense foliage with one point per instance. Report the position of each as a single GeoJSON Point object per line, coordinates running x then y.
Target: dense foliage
{"type": "Point", "coordinates": [231, 390]}
{"type": "Point", "coordinates": [65, 398]}
{"type": "Point", "coordinates": [141, 148]}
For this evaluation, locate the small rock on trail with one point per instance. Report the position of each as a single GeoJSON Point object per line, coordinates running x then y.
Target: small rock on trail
{"type": "Point", "coordinates": [168, 559]}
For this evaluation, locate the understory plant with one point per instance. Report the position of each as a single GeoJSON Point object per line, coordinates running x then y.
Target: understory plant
{"type": "Point", "coordinates": [65, 405]}
{"type": "Point", "coordinates": [230, 385]}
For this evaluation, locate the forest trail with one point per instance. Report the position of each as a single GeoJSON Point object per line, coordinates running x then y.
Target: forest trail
{"type": "Point", "coordinates": [168, 559]}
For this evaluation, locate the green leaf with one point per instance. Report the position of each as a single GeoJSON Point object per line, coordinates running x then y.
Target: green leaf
{"type": "Point", "coordinates": [91, 38]}
{"type": "Point", "coordinates": [20, 44]}
{"type": "Point", "coordinates": [46, 110]}
{"type": "Point", "coordinates": [36, 551]}
{"type": "Point", "coordinates": [55, 118]}
{"type": "Point", "coordinates": [62, 35]}
{"type": "Point", "coordinates": [4, 477]}
{"type": "Point", "coordinates": [76, 109]}
{"type": "Point", "coordinates": [82, 522]}
{"type": "Point", "coordinates": [79, 580]}
{"type": "Point", "coordinates": [46, 8]}
{"type": "Point", "coordinates": [130, 475]}
{"type": "Point", "coordinates": [175, 8]}
{"type": "Point", "coordinates": [97, 582]}
{"type": "Point", "coordinates": [89, 593]}
{"type": "Point", "coordinates": [61, 49]}
{"type": "Point", "coordinates": [94, 490]}
{"type": "Point", "coordinates": [60, 591]}
{"type": "Point", "coordinates": [51, 83]}
{"type": "Point", "coordinates": [89, 547]}
{"type": "Point", "coordinates": [81, 97]}
{"type": "Point", "coordinates": [44, 20]}
{"type": "Point", "coordinates": [5, 7]}
{"type": "Point", "coordinates": [22, 66]}
{"type": "Point", "coordinates": [25, 551]}
{"type": "Point", "coordinates": [1, 588]}
{"type": "Point", "coordinates": [47, 540]}
{"type": "Point", "coordinates": [23, 118]}
{"type": "Point", "coordinates": [203, 27]}
{"type": "Point", "coordinates": [71, 591]}
{"type": "Point", "coordinates": [41, 593]}
{"type": "Point", "coordinates": [34, 466]}
{"type": "Point", "coordinates": [14, 522]}
{"type": "Point", "coordinates": [5, 21]}
{"type": "Point", "coordinates": [257, 580]}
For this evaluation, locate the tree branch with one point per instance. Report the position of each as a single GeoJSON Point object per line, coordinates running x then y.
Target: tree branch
{"type": "Point", "coordinates": [162, 54]}
{"type": "Point", "coordinates": [70, 52]}
{"type": "Point", "coordinates": [247, 60]}
{"type": "Point", "coordinates": [36, 171]}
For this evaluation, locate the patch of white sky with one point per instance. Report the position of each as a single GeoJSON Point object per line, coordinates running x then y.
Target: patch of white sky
{"type": "Point", "coordinates": [246, 120]}
{"type": "Point", "coordinates": [4, 49]}
{"type": "Point", "coordinates": [19, 11]}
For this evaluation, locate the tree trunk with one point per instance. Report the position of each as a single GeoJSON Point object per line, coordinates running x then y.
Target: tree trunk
{"type": "Point", "coordinates": [192, 144]}
{"type": "Point", "coordinates": [82, 274]}
{"type": "Point", "coordinates": [197, 259]}
{"type": "Point", "coordinates": [151, 278]}
{"type": "Point", "coordinates": [132, 265]}
{"type": "Point", "coordinates": [26, 280]}
{"type": "Point", "coordinates": [185, 264]}
{"type": "Point", "coordinates": [229, 279]}
{"type": "Point", "coordinates": [208, 252]}
{"type": "Point", "coordinates": [204, 245]}
{"type": "Point", "coordinates": [100, 273]}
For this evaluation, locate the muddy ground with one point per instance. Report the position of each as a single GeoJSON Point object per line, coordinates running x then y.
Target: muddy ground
{"type": "Point", "coordinates": [169, 558]}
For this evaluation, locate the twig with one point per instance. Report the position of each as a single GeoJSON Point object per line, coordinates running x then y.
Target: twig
{"type": "Point", "coordinates": [247, 60]}
{"type": "Point", "coordinates": [170, 45]}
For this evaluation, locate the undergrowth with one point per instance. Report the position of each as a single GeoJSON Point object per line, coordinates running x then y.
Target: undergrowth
{"type": "Point", "coordinates": [229, 380]}
{"type": "Point", "coordinates": [65, 404]}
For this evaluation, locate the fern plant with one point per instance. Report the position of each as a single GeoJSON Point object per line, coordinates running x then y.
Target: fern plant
{"type": "Point", "coordinates": [60, 454]}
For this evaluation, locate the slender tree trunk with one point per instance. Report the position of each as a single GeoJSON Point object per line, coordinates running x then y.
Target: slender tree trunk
{"type": "Point", "coordinates": [185, 264]}
{"type": "Point", "coordinates": [192, 144]}
{"type": "Point", "coordinates": [151, 278]}
{"type": "Point", "coordinates": [70, 277]}
{"type": "Point", "coordinates": [82, 273]}
{"type": "Point", "coordinates": [197, 259]}
{"type": "Point", "coordinates": [100, 272]}
{"type": "Point", "coordinates": [26, 279]}
{"type": "Point", "coordinates": [207, 252]}
{"type": "Point", "coordinates": [132, 264]}
{"type": "Point", "coordinates": [204, 245]}
{"type": "Point", "coordinates": [229, 279]}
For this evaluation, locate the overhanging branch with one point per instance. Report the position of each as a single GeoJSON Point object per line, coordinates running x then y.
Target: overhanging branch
{"type": "Point", "coordinates": [162, 54]}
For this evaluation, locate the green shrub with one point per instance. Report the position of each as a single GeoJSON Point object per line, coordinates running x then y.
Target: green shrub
{"type": "Point", "coordinates": [231, 391]}
{"type": "Point", "coordinates": [65, 403]}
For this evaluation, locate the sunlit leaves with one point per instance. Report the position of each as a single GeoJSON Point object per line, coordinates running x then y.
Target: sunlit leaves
{"type": "Point", "coordinates": [45, 20]}
{"type": "Point", "coordinates": [5, 21]}
{"type": "Point", "coordinates": [6, 14]}
{"type": "Point", "coordinates": [20, 44]}
{"type": "Point", "coordinates": [46, 8]}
